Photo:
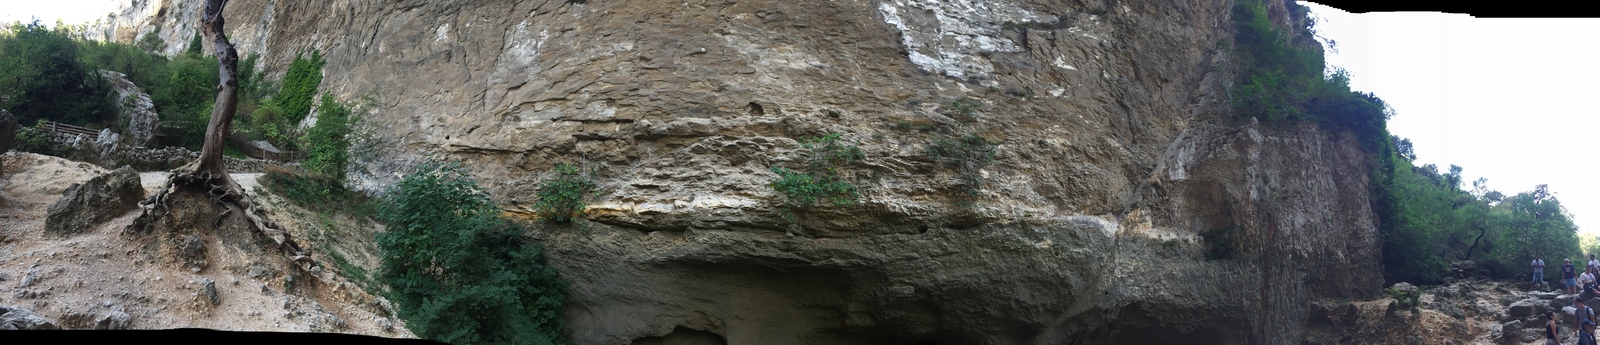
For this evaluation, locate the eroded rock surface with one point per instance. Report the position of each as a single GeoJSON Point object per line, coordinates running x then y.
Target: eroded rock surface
{"type": "Point", "coordinates": [1116, 151]}
{"type": "Point", "coordinates": [16, 318]}
{"type": "Point", "coordinates": [84, 205]}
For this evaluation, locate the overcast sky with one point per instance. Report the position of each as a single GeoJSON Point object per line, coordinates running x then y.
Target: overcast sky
{"type": "Point", "coordinates": [1510, 100]}
{"type": "Point", "coordinates": [48, 11]}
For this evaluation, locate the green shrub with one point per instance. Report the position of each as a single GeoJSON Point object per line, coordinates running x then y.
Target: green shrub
{"type": "Point", "coordinates": [312, 191]}
{"type": "Point", "coordinates": [818, 180]}
{"type": "Point", "coordinates": [300, 84]}
{"type": "Point", "coordinates": [561, 194]}
{"type": "Point", "coordinates": [965, 108]}
{"type": "Point", "coordinates": [36, 140]}
{"type": "Point", "coordinates": [1405, 300]}
{"type": "Point", "coordinates": [328, 140]}
{"type": "Point", "coordinates": [458, 272]}
{"type": "Point", "coordinates": [151, 42]}
{"type": "Point", "coordinates": [969, 156]}
{"type": "Point", "coordinates": [267, 122]}
{"type": "Point", "coordinates": [805, 190]}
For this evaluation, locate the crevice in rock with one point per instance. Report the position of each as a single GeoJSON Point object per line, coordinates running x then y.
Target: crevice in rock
{"type": "Point", "coordinates": [683, 336]}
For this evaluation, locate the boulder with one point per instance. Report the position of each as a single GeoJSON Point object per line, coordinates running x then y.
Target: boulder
{"type": "Point", "coordinates": [1528, 307]}
{"type": "Point", "coordinates": [1508, 333]}
{"type": "Point", "coordinates": [115, 320]}
{"type": "Point", "coordinates": [18, 319]}
{"type": "Point", "coordinates": [208, 290]}
{"type": "Point", "coordinates": [86, 204]}
{"type": "Point", "coordinates": [1562, 301]}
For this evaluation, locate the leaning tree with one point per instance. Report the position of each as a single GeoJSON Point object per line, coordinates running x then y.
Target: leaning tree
{"type": "Point", "coordinates": [207, 175]}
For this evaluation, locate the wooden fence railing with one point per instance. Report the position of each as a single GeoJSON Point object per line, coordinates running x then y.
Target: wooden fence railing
{"type": "Point", "coordinates": [250, 150]}
{"type": "Point", "coordinates": [69, 130]}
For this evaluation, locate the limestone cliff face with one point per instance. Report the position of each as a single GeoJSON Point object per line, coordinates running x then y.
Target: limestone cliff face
{"type": "Point", "coordinates": [1112, 160]}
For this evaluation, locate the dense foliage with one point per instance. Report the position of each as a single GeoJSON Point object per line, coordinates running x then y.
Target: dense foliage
{"type": "Point", "coordinates": [561, 194]}
{"type": "Point", "coordinates": [1430, 221]}
{"type": "Point", "coordinates": [457, 271]}
{"type": "Point", "coordinates": [42, 76]}
{"type": "Point", "coordinates": [50, 74]}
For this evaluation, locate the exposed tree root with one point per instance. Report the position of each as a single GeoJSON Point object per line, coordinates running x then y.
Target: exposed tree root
{"type": "Point", "coordinates": [228, 196]}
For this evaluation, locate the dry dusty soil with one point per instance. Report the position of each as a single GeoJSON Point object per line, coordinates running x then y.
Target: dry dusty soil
{"type": "Point", "coordinates": [98, 279]}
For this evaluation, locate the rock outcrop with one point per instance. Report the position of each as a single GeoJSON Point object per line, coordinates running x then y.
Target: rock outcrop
{"type": "Point", "coordinates": [84, 205]}
{"type": "Point", "coordinates": [18, 319]}
{"type": "Point", "coordinates": [1115, 155]}
{"type": "Point", "coordinates": [134, 109]}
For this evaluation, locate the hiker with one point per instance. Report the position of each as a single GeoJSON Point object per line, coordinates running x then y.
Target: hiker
{"type": "Point", "coordinates": [1569, 278]}
{"type": "Point", "coordinates": [1584, 314]}
{"type": "Point", "coordinates": [1586, 334]}
{"type": "Point", "coordinates": [1595, 264]}
{"type": "Point", "coordinates": [1550, 329]}
{"type": "Point", "coordinates": [1538, 269]}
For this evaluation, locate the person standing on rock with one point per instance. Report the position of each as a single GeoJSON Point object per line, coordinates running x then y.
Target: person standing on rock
{"type": "Point", "coordinates": [1538, 269]}
{"type": "Point", "coordinates": [1569, 278]}
{"type": "Point", "coordinates": [1593, 264]}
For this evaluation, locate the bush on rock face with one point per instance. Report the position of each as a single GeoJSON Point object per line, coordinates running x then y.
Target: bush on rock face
{"type": "Point", "coordinates": [457, 271]}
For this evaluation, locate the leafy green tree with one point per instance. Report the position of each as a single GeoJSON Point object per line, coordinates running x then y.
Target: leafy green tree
{"type": "Point", "coordinates": [42, 77]}
{"type": "Point", "coordinates": [328, 140]}
{"type": "Point", "coordinates": [457, 271]}
{"type": "Point", "coordinates": [194, 45]}
{"type": "Point", "coordinates": [185, 98]}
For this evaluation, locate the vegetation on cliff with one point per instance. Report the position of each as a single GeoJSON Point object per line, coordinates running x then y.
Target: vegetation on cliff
{"type": "Point", "coordinates": [561, 194]}
{"type": "Point", "coordinates": [818, 179]}
{"type": "Point", "coordinates": [1426, 218]}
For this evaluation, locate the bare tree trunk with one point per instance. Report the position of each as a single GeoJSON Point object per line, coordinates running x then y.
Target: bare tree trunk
{"type": "Point", "coordinates": [227, 90]}
{"type": "Point", "coordinates": [207, 174]}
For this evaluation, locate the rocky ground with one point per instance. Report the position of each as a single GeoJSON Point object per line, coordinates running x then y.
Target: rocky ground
{"type": "Point", "coordinates": [1472, 311]}
{"type": "Point", "coordinates": [99, 279]}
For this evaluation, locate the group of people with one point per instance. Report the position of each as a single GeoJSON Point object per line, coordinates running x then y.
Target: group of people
{"type": "Point", "coordinates": [1590, 287]}
{"type": "Point", "coordinates": [1587, 283]}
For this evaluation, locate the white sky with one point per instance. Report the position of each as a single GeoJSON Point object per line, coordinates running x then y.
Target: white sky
{"type": "Point", "coordinates": [1507, 99]}
{"type": "Point", "coordinates": [48, 11]}
{"type": "Point", "coordinates": [1510, 100]}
